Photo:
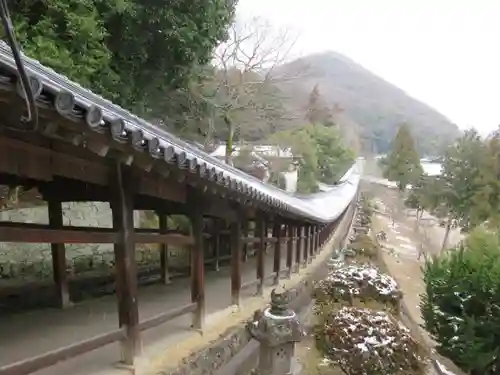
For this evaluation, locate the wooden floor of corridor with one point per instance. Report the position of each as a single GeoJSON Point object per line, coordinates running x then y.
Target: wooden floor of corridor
{"type": "Point", "coordinates": [33, 333]}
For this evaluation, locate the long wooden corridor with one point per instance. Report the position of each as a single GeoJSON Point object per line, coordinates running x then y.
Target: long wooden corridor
{"type": "Point", "coordinates": [34, 333]}
{"type": "Point", "coordinates": [86, 149]}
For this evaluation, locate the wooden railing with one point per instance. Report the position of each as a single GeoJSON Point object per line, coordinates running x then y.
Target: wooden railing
{"type": "Point", "coordinates": [302, 241]}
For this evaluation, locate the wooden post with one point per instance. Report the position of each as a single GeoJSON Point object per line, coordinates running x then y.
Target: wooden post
{"type": "Point", "coordinates": [306, 244]}
{"type": "Point", "coordinates": [58, 250]}
{"type": "Point", "coordinates": [316, 235]}
{"type": "Point", "coordinates": [236, 249]}
{"type": "Point", "coordinates": [262, 234]}
{"type": "Point", "coordinates": [313, 241]}
{"type": "Point", "coordinates": [309, 239]}
{"type": "Point", "coordinates": [289, 253]}
{"type": "Point", "coordinates": [125, 266]}
{"type": "Point", "coordinates": [244, 232]}
{"type": "Point", "coordinates": [216, 243]}
{"type": "Point", "coordinates": [163, 227]}
{"type": "Point", "coordinates": [298, 248]}
{"type": "Point", "coordinates": [277, 251]}
{"type": "Point", "coordinates": [207, 243]}
{"type": "Point", "coordinates": [197, 269]}
{"type": "Point", "coordinates": [316, 242]}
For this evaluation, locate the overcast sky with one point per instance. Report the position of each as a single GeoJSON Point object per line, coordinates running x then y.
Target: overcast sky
{"type": "Point", "coordinates": [443, 52]}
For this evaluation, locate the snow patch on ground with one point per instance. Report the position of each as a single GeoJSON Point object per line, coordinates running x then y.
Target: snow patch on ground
{"type": "Point", "coordinates": [353, 277]}
{"type": "Point", "coordinates": [442, 369]}
{"type": "Point", "coordinates": [372, 337]}
{"type": "Point", "coordinates": [403, 239]}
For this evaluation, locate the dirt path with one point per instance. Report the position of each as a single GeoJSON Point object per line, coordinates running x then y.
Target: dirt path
{"type": "Point", "coordinates": [400, 253]}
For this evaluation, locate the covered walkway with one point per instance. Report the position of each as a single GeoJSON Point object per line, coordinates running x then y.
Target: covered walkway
{"type": "Point", "coordinates": [33, 333]}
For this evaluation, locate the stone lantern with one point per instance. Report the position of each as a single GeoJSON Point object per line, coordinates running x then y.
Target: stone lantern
{"type": "Point", "coordinates": [277, 329]}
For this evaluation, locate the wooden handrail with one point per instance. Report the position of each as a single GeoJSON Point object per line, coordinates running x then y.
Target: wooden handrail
{"type": "Point", "coordinates": [44, 360]}
{"type": "Point", "coordinates": [166, 316]}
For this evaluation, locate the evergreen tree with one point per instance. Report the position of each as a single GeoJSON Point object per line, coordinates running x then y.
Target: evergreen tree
{"type": "Point", "coordinates": [323, 156]}
{"type": "Point", "coordinates": [469, 188]}
{"type": "Point", "coordinates": [317, 110]}
{"type": "Point", "coordinates": [131, 51]}
{"type": "Point", "coordinates": [418, 197]}
{"type": "Point", "coordinates": [460, 306]}
{"type": "Point", "coordinates": [403, 163]}
{"type": "Point", "coordinates": [333, 157]}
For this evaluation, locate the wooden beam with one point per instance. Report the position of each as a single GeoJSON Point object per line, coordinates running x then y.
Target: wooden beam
{"type": "Point", "coordinates": [59, 256]}
{"type": "Point", "coordinates": [70, 190]}
{"type": "Point", "coordinates": [160, 187]}
{"type": "Point", "coordinates": [40, 233]}
{"type": "Point", "coordinates": [24, 159]}
{"type": "Point", "coordinates": [43, 233]}
{"type": "Point", "coordinates": [125, 265]}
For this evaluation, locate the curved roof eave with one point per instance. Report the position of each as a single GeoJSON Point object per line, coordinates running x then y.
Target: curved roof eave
{"type": "Point", "coordinates": [322, 207]}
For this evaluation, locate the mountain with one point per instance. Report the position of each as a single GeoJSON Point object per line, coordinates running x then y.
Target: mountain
{"type": "Point", "coordinates": [358, 95]}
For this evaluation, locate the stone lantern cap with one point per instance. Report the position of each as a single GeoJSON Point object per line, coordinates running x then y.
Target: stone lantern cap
{"type": "Point", "coordinates": [277, 324]}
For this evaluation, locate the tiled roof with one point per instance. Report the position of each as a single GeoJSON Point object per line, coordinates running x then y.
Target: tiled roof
{"type": "Point", "coordinates": [102, 115]}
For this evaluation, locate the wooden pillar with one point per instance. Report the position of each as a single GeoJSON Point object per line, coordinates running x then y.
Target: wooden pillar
{"type": "Point", "coordinates": [216, 243]}
{"type": "Point", "coordinates": [207, 242]}
{"type": "Point", "coordinates": [58, 256]}
{"type": "Point", "coordinates": [236, 259]}
{"type": "Point", "coordinates": [318, 235]}
{"type": "Point", "coordinates": [163, 227]}
{"type": "Point", "coordinates": [261, 228]}
{"type": "Point", "coordinates": [244, 233]}
{"type": "Point", "coordinates": [306, 244]}
{"type": "Point", "coordinates": [298, 246]}
{"type": "Point", "coordinates": [277, 251]}
{"type": "Point", "coordinates": [197, 268]}
{"type": "Point", "coordinates": [289, 253]}
{"type": "Point", "coordinates": [125, 265]}
{"type": "Point", "coordinates": [311, 243]}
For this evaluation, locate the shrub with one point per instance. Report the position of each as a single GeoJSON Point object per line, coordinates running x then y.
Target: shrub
{"type": "Point", "coordinates": [461, 306]}
{"type": "Point", "coordinates": [361, 282]}
{"type": "Point", "coordinates": [363, 341]}
{"type": "Point", "coordinates": [364, 245]}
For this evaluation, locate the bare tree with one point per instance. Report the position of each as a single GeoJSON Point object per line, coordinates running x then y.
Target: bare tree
{"type": "Point", "coordinates": [246, 74]}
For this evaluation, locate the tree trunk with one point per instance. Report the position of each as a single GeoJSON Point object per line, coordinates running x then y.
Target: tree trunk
{"type": "Point", "coordinates": [229, 143]}
{"type": "Point", "coordinates": [418, 215]}
{"type": "Point", "coordinates": [446, 235]}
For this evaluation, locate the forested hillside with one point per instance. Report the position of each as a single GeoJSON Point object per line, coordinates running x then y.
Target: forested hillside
{"type": "Point", "coordinates": [377, 106]}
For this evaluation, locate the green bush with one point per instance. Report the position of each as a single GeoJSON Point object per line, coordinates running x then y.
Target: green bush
{"type": "Point", "coordinates": [461, 306]}
{"type": "Point", "coordinates": [363, 282]}
{"type": "Point", "coordinates": [364, 245]}
{"type": "Point", "coordinates": [363, 341]}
